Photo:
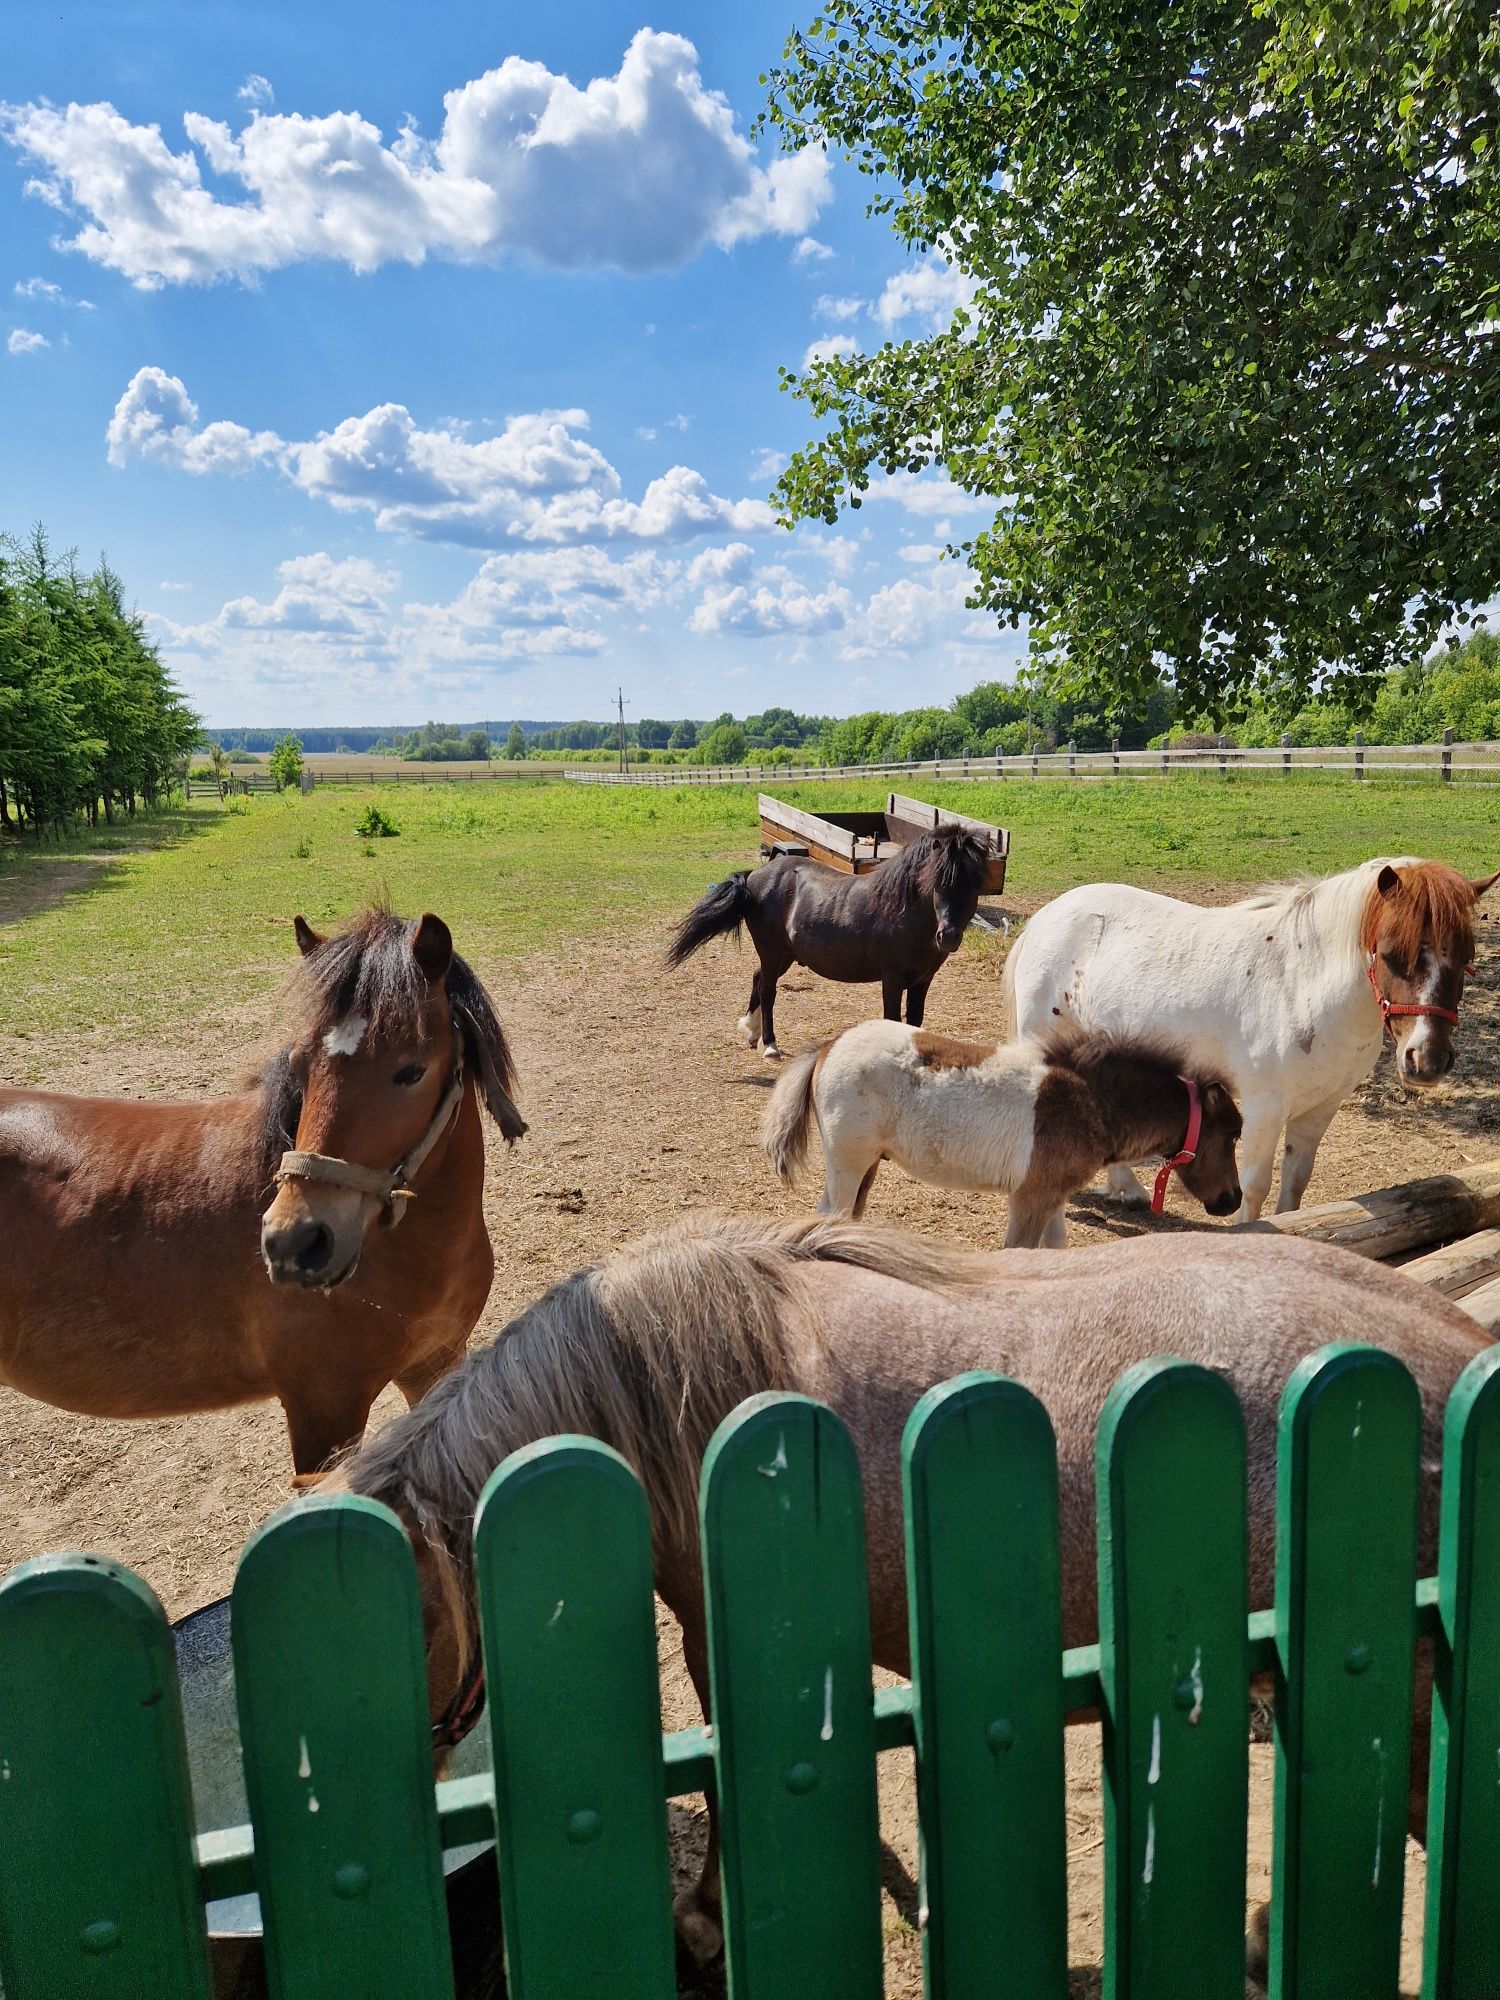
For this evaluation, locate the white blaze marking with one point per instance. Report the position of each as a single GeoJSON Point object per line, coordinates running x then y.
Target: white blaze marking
{"type": "Point", "coordinates": [344, 1040]}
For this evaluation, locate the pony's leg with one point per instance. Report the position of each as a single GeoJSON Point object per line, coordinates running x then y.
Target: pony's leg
{"type": "Point", "coordinates": [321, 1424]}
{"type": "Point", "coordinates": [846, 1186]}
{"type": "Point", "coordinates": [1055, 1235]}
{"type": "Point", "coordinates": [698, 1910]}
{"type": "Point", "coordinates": [427, 1373]}
{"type": "Point", "coordinates": [916, 1002]}
{"type": "Point", "coordinates": [891, 989]}
{"type": "Point", "coordinates": [864, 1191]}
{"type": "Point", "coordinates": [1304, 1134]}
{"type": "Point", "coordinates": [768, 1046]}
{"type": "Point", "coordinates": [1029, 1225]}
{"type": "Point", "coordinates": [749, 1022]}
{"type": "Point", "coordinates": [1124, 1186]}
{"type": "Point", "coordinates": [1264, 1117]}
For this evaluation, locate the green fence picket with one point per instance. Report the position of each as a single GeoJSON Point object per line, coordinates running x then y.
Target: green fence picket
{"type": "Point", "coordinates": [979, 1464]}
{"type": "Point", "coordinates": [789, 1655]}
{"type": "Point", "coordinates": [331, 1684]}
{"type": "Point", "coordinates": [1175, 1671]}
{"type": "Point", "coordinates": [1462, 1939]}
{"type": "Point", "coordinates": [563, 1550]}
{"type": "Point", "coordinates": [98, 1890]}
{"type": "Point", "coordinates": [1346, 1537]}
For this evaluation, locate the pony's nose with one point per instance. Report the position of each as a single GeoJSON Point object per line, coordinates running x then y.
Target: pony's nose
{"type": "Point", "coordinates": [1425, 1064]}
{"type": "Point", "coordinates": [297, 1252]}
{"type": "Point", "coordinates": [948, 937]}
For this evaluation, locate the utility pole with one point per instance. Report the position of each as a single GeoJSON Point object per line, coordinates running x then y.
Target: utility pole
{"type": "Point", "coordinates": [620, 702]}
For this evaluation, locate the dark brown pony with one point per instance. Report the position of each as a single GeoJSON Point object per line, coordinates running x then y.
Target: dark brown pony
{"type": "Point", "coordinates": [145, 1283]}
{"type": "Point", "coordinates": [896, 924]}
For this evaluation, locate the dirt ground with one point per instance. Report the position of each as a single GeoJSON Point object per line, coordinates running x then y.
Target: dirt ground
{"type": "Point", "coordinates": [642, 1104]}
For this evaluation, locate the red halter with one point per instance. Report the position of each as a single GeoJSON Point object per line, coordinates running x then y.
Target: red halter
{"type": "Point", "coordinates": [1389, 1007]}
{"type": "Point", "coordinates": [1189, 1151]}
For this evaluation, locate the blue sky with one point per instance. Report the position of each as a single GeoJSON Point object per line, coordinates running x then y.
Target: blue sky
{"type": "Point", "coordinates": [423, 361]}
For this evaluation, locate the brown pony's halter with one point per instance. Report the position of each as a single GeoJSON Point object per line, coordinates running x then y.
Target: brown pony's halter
{"type": "Point", "coordinates": [1189, 1151]}
{"type": "Point", "coordinates": [1389, 1007]}
{"type": "Point", "coordinates": [391, 1189]}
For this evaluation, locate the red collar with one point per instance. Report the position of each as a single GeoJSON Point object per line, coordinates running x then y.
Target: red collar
{"type": "Point", "coordinates": [1390, 1007]}
{"type": "Point", "coordinates": [1189, 1151]}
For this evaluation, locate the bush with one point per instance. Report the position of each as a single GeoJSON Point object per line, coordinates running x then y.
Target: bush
{"type": "Point", "coordinates": [374, 824]}
{"type": "Point", "coordinates": [724, 744]}
{"type": "Point", "coordinates": [286, 763]}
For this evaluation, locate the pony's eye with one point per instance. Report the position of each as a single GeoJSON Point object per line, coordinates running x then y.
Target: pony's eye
{"type": "Point", "coordinates": [410, 1073]}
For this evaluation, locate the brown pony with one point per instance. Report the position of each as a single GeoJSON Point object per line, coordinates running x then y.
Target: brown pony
{"type": "Point", "coordinates": [655, 1346]}
{"type": "Point", "coordinates": [145, 1283]}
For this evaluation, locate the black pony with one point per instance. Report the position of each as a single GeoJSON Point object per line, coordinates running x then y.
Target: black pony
{"type": "Point", "coordinates": [897, 924]}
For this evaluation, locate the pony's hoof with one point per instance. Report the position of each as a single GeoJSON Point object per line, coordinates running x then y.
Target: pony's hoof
{"type": "Point", "coordinates": [701, 1934]}
{"type": "Point", "coordinates": [771, 1052]}
{"type": "Point", "coordinates": [748, 1029]}
{"type": "Point", "coordinates": [1258, 1946]}
{"type": "Point", "coordinates": [1134, 1196]}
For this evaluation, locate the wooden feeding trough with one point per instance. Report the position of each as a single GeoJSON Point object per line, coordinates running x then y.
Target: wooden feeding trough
{"type": "Point", "coordinates": [856, 842]}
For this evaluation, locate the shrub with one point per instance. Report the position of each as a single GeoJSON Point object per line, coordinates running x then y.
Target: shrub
{"type": "Point", "coordinates": [374, 825]}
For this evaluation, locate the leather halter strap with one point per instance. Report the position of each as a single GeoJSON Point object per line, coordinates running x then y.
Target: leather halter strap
{"type": "Point", "coordinates": [465, 1709]}
{"type": "Point", "coordinates": [1389, 1007]}
{"type": "Point", "coordinates": [392, 1188]}
{"type": "Point", "coordinates": [1189, 1151]}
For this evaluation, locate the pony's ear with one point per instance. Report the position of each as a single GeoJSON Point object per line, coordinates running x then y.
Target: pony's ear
{"type": "Point", "coordinates": [1218, 1103]}
{"type": "Point", "coordinates": [1387, 881]}
{"type": "Point", "coordinates": [432, 948]}
{"type": "Point", "coordinates": [1488, 883]}
{"type": "Point", "coordinates": [307, 938]}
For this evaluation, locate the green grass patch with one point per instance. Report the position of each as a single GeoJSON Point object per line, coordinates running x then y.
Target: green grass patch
{"type": "Point", "coordinates": [162, 920]}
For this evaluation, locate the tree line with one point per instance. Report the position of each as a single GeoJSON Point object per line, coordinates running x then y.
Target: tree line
{"type": "Point", "coordinates": [91, 723]}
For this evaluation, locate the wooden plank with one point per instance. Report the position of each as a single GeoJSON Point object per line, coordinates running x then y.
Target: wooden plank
{"type": "Point", "coordinates": [1483, 1304]}
{"type": "Point", "coordinates": [98, 1889]}
{"type": "Point", "coordinates": [1174, 1665]}
{"type": "Point", "coordinates": [1346, 1542]}
{"type": "Point", "coordinates": [563, 1555]}
{"type": "Point", "coordinates": [979, 1465]}
{"type": "Point", "coordinates": [930, 816]}
{"type": "Point", "coordinates": [1459, 1267]}
{"type": "Point", "coordinates": [1386, 1221]}
{"type": "Point", "coordinates": [789, 1661]}
{"type": "Point", "coordinates": [806, 826]}
{"type": "Point", "coordinates": [1461, 1946]}
{"type": "Point", "coordinates": [331, 1686]}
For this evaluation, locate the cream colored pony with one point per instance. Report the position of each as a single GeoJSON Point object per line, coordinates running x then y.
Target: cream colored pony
{"type": "Point", "coordinates": [651, 1349]}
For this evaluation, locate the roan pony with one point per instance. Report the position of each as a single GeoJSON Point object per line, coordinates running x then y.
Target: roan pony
{"type": "Point", "coordinates": [896, 924]}
{"type": "Point", "coordinates": [1037, 1118]}
{"type": "Point", "coordinates": [651, 1349]}
{"type": "Point", "coordinates": [1289, 994]}
{"type": "Point", "coordinates": [146, 1283]}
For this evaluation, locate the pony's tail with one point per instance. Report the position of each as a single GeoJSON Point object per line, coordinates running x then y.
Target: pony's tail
{"type": "Point", "coordinates": [721, 909]}
{"type": "Point", "coordinates": [788, 1117]}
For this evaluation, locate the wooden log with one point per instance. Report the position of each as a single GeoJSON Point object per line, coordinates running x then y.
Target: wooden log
{"type": "Point", "coordinates": [1459, 1267]}
{"type": "Point", "coordinates": [1483, 1304]}
{"type": "Point", "coordinates": [1387, 1221]}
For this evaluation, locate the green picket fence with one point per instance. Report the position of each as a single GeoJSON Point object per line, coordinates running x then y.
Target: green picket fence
{"type": "Point", "coordinates": [103, 1885]}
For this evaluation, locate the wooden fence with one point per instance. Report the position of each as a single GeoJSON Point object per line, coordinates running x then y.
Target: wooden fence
{"type": "Point", "coordinates": [103, 1886]}
{"type": "Point", "coordinates": [1446, 761]}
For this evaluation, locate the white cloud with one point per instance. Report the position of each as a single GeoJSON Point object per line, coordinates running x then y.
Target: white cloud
{"type": "Point", "coordinates": [646, 433]}
{"type": "Point", "coordinates": [22, 340]}
{"type": "Point", "coordinates": [679, 422]}
{"type": "Point", "coordinates": [929, 292]}
{"type": "Point", "coordinates": [920, 552]}
{"type": "Point", "coordinates": [929, 494]}
{"type": "Point", "coordinates": [256, 89]}
{"type": "Point", "coordinates": [837, 308]}
{"type": "Point", "coordinates": [810, 251]}
{"type": "Point", "coordinates": [167, 585]}
{"type": "Point", "coordinates": [535, 603]}
{"type": "Point", "coordinates": [536, 480]}
{"type": "Point", "coordinates": [767, 464]}
{"type": "Point", "coordinates": [828, 348]}
{"type": "Point", "coordinates": [722, 565]}
{"type": "Point", "coordinates": [39, 288]}
{"type": "Point", "coordinates": [770, 604]}
{"type": "Point", "coordinates": [638, 171]}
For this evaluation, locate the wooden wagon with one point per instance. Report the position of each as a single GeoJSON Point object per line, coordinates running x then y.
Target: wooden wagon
{"type": "Point", "coordinates": [856, 842]}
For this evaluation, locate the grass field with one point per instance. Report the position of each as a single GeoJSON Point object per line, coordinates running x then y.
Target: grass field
{"type": "Point", "coordinates": [154, 923]}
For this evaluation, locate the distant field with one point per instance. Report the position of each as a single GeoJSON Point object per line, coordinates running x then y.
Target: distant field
{"type": "Point", "coordinates": [353, 765]}
{"type": "Point", "coordinates": [151, 925]}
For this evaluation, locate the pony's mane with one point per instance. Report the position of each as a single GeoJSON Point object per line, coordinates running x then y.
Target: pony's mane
{"type": "Point", "coordinates": [368, 968]}
{"type": "Point", "coordinates": [1434, 905]}
{"type": "Point", "coordinates": [1068, 1045]}
{"type": "Point", "coordinates": [950, 859]}
{"type": "Point", "coordinates": [648, 1350]}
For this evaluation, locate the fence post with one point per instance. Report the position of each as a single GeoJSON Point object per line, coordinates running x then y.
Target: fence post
{"type": "Point", "coordinates": [1223, 760]}
{"type": "Point", "coordinates": [1034, 772]}
{"type": "Point", "coordinates": [1447, 757]}
{"type": "Point", "coordinates": [1072, 760]}
{"type": "Point", "coordinates": [1114, 754]}
{"type": "Point", "coordinates": [1286, 754]}
{"type": "Point", "coordinates": [999, 763]}
{"type": "Point", "coordinates": [1359, 753]}
{"type": "Point", "coordinates": [1166, 760]}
